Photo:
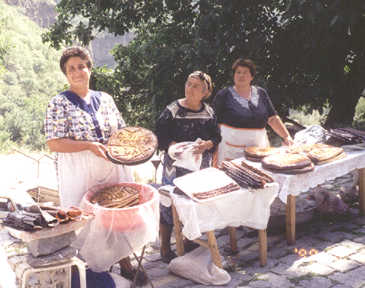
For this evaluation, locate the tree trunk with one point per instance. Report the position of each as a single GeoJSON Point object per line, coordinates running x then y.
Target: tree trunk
{"type": "Point", "coordinates": [344, 101]}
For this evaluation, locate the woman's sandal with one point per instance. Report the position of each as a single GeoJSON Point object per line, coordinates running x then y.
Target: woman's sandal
{"type": "Point", "coordinates": [141, 277]}
{"type": "Point", "coordinates": [190, 245]}
{"type": "Point", "coordinates": [168, 257]}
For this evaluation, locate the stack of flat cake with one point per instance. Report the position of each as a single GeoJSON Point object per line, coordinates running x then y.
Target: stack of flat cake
{"type": "Point", "coordinates": [345, 136]}
{"type": "Point", "coordinates": [288, 163]}
{"type": "Point", "coordinates": [246, 175]}
{"type": "Point", "coordinates": [254, 153]}
{"type": "Point", "coordinates": [323, 153]}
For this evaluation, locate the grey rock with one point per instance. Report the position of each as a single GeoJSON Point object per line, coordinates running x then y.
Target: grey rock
{"type": "Point", "coordinates": [354, 278]}
{"type": "Point", "coordinates": [316, 282]}
{"type": "Point", "coordinates": [273, 279]}
{"type": "Point", "coordinates": [340, 251]}
{"type": "Point", "coordinates": [344, 265]}
{"type": "Point", "coordinates": [50, 245]}
{"type": "Point", "coordinates": [359, 256]}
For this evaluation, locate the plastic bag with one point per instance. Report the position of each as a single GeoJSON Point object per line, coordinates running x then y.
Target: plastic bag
{"type": "Point", "coordinates": [114, 234]}
{"type": "Point", "coordinates": [311, 135]}
{"type": "Point", "coordinates": [199, 267]}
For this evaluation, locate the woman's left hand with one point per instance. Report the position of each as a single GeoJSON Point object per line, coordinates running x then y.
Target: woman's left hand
{"type": "Point", "coordinates": [202, 145]}
{"type": "Point", "coordinates": [288, 141]}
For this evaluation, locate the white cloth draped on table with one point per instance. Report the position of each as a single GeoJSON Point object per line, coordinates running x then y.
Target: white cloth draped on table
{"type": "Point", "coordinates": [296, 184]}
{"type": "Point", "coordinates": [234, 140]}
{"type": "Point", "coordinates": [250, 208]}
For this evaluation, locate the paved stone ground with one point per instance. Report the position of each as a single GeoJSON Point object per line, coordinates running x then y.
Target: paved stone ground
{"type": "Point", "coordinates": [339, 260]}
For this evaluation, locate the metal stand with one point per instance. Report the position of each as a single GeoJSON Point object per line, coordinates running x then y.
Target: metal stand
{"type": "Point", "coordinates": [140, 267]}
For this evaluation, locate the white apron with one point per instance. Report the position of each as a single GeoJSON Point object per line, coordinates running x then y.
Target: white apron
{"type": "Point", "coordinates": [79, 171]}
{"type": "Point", "coordinates": [234, 140]}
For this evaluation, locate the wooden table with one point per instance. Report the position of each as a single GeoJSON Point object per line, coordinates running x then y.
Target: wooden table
{"type": "Point", "coordinates": [211, 243]}
{"type": "Point", "coordinates": [293, 185]}
{"type": "Point", "coordinates": [290, 217]}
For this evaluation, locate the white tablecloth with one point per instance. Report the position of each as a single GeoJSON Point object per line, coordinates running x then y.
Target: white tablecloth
{"type": "Point", "coordinates": [296, 184]}
{"type": "Point", "coordinates": [244, 207]}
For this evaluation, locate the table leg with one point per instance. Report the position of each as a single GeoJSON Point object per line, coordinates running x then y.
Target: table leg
{"type": "Point", "coordinates": [263, 247]}
{"type": "Point", "coordinates": [233, 239]}
{"type": "Point", "coordinates": [290, 219]}
{"type": "Point", "coordinates": [213, 247]}
{"type": "Point", "coordinates": [362, 191]}
{"type": "Point", "coordinates": [178, 234]}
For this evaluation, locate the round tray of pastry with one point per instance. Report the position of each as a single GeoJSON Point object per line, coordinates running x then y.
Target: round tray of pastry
{"type": "Point", "coordinates": [254, 153]}
{"type": "Point", "coordinates": [131, 146]}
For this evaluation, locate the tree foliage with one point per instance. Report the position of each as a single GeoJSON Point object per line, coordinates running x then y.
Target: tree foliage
{"type": "Point", "coordinates": [30, 78]}
{"type": "Point", "coordinates": [173, 38]}
{"type": "Point", "coordinates": [320, 52]}
{"type": "Point", "coordinates": [308, 52]}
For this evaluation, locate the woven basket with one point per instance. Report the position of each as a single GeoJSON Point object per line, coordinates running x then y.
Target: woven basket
{"type": "Point", "coordinates": [43, 194]}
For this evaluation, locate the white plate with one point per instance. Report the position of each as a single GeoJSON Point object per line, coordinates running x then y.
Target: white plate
{"type": "Point", "coordinates": [202, 181]}
{"type": "Point", "coordinates": [176, 151]}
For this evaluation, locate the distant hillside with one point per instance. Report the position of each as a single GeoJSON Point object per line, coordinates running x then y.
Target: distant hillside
{"type": "Point", "coordinates": [31, 77]}
{"type": "Point", "coordinates": [40, 11]}
{"type": "Point", "coordinates": [43, 13]}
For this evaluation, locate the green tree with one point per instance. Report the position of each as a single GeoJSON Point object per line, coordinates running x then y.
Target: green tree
{"type": "Point", "coordinates": [31, 76]}
{"type": "Point", "coordinates": [173, 38]}
{"type": "Point", "coordinates": [308, 52]}
{"type": "Point", "coordinates": [319, 56]}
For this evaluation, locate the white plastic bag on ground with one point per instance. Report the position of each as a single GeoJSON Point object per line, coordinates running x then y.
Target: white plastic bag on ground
{"type": "Point", "coordinates": [199, 267]}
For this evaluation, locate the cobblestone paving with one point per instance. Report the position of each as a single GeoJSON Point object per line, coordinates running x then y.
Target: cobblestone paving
{"type": "Point", "coordinates": [326, 254]}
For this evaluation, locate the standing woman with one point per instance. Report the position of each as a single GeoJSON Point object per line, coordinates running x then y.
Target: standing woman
{"type": "Point", "coordinates": [78, 124]}
{"type": "Point", "coordinates": [186, 119]}
{"type": "Point", "coordinates": [243, 111]}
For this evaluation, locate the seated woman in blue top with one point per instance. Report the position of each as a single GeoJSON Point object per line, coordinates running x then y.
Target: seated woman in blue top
{"type": "Point", "coordinates": [243, 111]}
{"type": "Point", "coordinates": [186, 119]}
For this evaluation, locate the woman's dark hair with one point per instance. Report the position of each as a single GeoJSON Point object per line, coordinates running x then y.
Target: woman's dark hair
{"type": "Point", "coordinates": [75, 51]}
{"type": "Point", "coordinates": [245, 63]}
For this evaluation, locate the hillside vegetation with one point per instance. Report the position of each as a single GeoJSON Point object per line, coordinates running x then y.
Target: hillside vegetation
{"type": "Point", "coordinates": [29, 78]}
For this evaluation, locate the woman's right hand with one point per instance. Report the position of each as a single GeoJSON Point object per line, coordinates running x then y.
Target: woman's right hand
{"type": "Point", "coordinates": [98, 149]}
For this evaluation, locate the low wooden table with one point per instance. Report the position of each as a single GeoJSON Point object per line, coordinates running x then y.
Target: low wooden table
{"type": "Point", "coordinates": [211, 242]}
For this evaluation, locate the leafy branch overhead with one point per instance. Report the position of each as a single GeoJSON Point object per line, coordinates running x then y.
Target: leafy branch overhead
{"type": "Point", "coordinates": [308, 52]}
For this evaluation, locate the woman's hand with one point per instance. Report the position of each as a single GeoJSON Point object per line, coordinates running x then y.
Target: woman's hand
{"type": "Point", "coordinates": [202, 145]}
{"type": "Point", "coordinates": [98, 149]}
{"type": "Point", "coordinates": [288, 141]}
{"type": "Point", "coordinates": [65, 145]}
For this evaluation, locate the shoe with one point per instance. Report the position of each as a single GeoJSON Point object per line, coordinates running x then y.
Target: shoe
{"type": "Point", "coordinates": [141, 279]}
{"type": "Point", "coordinates": [190, 245]}
{"type": "Point", "coordinates": [168, 257]}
